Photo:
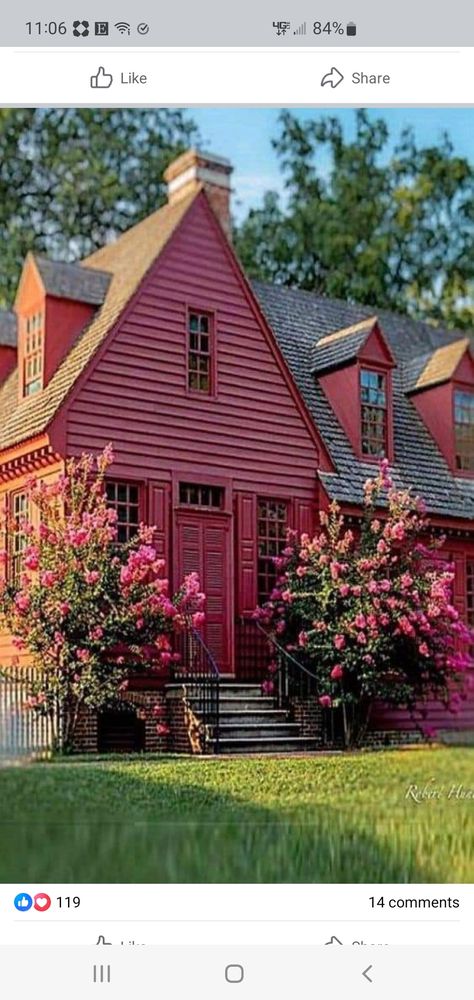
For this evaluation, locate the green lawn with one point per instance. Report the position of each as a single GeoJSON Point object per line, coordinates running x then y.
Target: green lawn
{"type": "Point", "coordinates": [320, 819]}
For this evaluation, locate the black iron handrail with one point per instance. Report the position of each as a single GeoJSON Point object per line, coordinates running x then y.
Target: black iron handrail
{"type": "Point", "coordinates": [199, 671]}
{"type": "Point", "coordinates": [293, 678]}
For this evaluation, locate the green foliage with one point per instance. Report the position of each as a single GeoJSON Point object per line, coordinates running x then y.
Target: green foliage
{"type": "Point", "coordinates": [393, 230]}
{"type": "Point", "coordinates": [72, 178]}
{"type": "Point", "coordinates": [88, 610]}
{"type": "Point", "coordinates": [370, 613]}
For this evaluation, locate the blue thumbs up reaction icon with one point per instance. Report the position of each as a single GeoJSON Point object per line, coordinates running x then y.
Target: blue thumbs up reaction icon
{"type": "Point", "coordinates": [23, 902]}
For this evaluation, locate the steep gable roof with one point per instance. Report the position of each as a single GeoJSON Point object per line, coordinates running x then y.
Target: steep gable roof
{"type": "Point", "coordinates": [341, 346]}
{"type": "Point", "coordinates": [441, 365]}
{"type": "Point", "coordinates": [299, 319]}
{"type": "Point", "coordinates": [126, 261]}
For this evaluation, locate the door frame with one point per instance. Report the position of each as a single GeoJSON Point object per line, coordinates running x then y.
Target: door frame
{"type": "Point", "coordinates": [199, 515]}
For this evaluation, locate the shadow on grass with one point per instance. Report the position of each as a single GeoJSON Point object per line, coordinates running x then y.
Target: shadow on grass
{"type": "Point", "coordinates": [135, 829]}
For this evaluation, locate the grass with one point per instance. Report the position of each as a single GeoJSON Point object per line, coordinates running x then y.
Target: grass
{"type": "Point", "coordinates": [320, 819]}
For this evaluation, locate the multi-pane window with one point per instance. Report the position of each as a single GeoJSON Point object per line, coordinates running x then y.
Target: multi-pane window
{"type": "Point", "coordinates": [195, 495]}
{"type": "Point", "coordinates": [125, 499]}
{"type": "Point", "coordinates": [33, 354]}
{"type": "Point", "coordinates": [272, 527]}
{"type": "Point", "coordinates": [470, 592]}
{"type": "Point", "coordinates": [16, 536]}
{"type": "Point", "coordinates": [373, 397]}
{"type": "Point", "coordinates": [464, 430]}
{"type": "Point", "coordinates": [199, 352]}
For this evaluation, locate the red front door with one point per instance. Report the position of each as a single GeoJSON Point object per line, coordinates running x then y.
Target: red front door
{"type": "Point", "coordinates": [203, 546]}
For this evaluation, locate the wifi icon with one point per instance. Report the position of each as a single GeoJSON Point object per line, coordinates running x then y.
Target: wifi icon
{"type": "Point", "coordinates": [123, 27]}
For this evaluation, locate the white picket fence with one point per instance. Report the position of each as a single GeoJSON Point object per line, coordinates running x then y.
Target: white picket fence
{"type": "Point", "coordinates": [23, 733]}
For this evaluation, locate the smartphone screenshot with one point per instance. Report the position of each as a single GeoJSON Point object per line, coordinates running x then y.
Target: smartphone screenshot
{"type": "Point", "coordinates": [236, 499]}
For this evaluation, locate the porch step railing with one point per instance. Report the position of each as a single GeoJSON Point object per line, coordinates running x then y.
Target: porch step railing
{"type": "Point", "coordinates": [198, 670]}
{"type": "Point", "coordinates": [294, 680]}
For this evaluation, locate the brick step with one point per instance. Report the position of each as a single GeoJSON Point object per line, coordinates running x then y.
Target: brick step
{"type": "Point", "coordinates": [265, 744]}
{"type": "Point", "coordinates": [258, 730]}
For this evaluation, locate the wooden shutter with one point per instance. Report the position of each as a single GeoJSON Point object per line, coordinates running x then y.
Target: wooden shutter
{"type": "Point", "coordinates": [246, 552]}
{"type": "Point", "coordinates": [305, 517]}
{"type": "Point", "coordinates": [159, 495]}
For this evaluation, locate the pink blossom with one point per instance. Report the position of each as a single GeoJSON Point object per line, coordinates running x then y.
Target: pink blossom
{"type": "Point", "coordinates": [301, 571]}
{"type": "Point", "coordinates": [303, 639]}
{"type": "Point", "coordinates": [31, 560]}
{"type": "Point", "coordinates": [344, 590]}
{"type": "Point", "coordinates": [325, 700]}
{"type": "Point", "coordinates": [3, 557]}
{"type": "Point", "coordinates": [64, 608]}
{"type": "Point", "coordinates": [83, 655]}
{"type": "Point", "coordinates": [91, 576]}
{"type": "Point", "coordinates": [162, 729]}
{"type": "Point", "coordinates": [423, 649]}
{"type": "Point", "coordinates": [398, 531]}
{"type": "Point", "coordinates": [268, 687]}
{"type": "Point", "coordinates": [22, 602]}
{"type": "Point", "coordinates": [382, 547]}
{"type": "Point", "coordinates": [360, 620]}
{"type": "Point", "coordinates": [335, 569]}
{"type": "Point", "coordinates": [337, 672]}
{"type": "Point", "coordinates": [357, 591]}
{"type": "Point", "coordinates": [48, 578]}
{"type": "Point", "coordinates": [361, 638]}
{"type": "Point", "coordinates": [406, 581]}
{"type": "Point", "coordinates": [339, 641]}
{"type": "Point", "coordinates": [385, 585]}
{"type": "Point", "coordinates": [97, 633]}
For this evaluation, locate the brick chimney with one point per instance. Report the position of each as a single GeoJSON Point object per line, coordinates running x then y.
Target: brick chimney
{"type": "Point", "coordinates": [195, 168]}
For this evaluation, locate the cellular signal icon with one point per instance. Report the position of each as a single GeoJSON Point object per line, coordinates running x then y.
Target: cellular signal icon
{"type": "Point", "coordinates": [123, 27]}
{"type": "Point", "coordinates": [301, 30]}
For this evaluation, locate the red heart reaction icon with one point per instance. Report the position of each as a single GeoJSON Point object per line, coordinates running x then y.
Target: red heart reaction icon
{"type": "Point", "coordinates": [42, 902]}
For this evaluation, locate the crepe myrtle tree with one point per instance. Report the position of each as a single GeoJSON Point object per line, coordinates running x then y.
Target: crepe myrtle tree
{"type": "Point", "coordinates": [89, 611]}
{"type": "Point", "coordinates": [370, 613]}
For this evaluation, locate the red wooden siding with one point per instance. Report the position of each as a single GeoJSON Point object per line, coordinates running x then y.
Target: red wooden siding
{"type": "Point", "coordinates": [135, 393]}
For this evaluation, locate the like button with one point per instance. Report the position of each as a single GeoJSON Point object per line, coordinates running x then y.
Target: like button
{"type": "Point", "coordinates": [101, 79]}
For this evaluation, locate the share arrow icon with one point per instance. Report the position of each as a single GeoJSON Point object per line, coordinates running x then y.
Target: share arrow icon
{"type": "Point", "coordinates": [334, 78]}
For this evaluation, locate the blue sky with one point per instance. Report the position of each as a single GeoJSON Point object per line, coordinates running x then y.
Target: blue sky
{"type": "Point", "coordinates": [244, 136]}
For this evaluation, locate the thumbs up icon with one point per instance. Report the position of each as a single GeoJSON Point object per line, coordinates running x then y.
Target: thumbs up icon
{"type": "Point", "coordinates": [101, 79]}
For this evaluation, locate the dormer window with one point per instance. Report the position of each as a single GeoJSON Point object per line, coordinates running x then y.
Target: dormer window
{"type": "Point", "coordinates": [374, 416]}
{"type": "Point", "coordinates": [464, 430]}
{"type": "Point", "coordinates": [33, 354]}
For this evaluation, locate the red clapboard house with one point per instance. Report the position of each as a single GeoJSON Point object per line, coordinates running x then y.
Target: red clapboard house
{"type": "Point", "coordinates": [236, 410]}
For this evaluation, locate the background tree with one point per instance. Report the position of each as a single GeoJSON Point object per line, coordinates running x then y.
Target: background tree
{"type": "Point", "coordinates": [390, 229]}
{"type": "Point", "coordinates": [72, 178]}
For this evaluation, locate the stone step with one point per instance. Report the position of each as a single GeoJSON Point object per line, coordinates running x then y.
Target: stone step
{"type": "Point", "coordinates": [265, 744]}
{"type": "Point", "coordinates": [267, 716]}
{"type": "Point", "coordinates": [240, 704]}
{"type": "Point", "coordinates": [258, 730]}
{"type": "Point", "coordinates": [240, 690]}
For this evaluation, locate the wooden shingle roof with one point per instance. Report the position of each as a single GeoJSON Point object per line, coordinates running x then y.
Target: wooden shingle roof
{"type": "Point", "coordinates": [442, 364]}
{"type": "Point", "coordinates": [126, 261]}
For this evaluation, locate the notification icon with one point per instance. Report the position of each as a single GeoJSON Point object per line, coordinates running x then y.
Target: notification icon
{"type": "Point", "coordinates": [42, 902]}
